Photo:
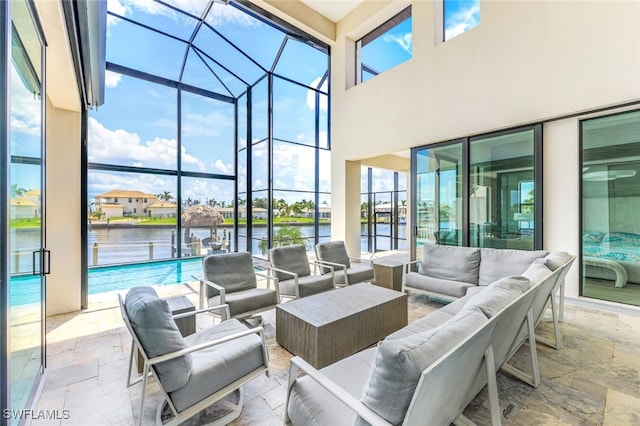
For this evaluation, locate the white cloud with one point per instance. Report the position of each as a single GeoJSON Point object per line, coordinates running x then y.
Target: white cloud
{"type": "Point", "coordinates": [206, 124]}
{"type": "Point", "coordinates": [25, 107]}
{"type": "Point", "coordinates": [223, 168]}
{"type": "Point", "coordinates": [405, 42]}
{"type": "Point", "coordinates": [111, 79]}
{"type": "Point", "coordinates": [311, 95]}
{"type": "Point", "coordinates": [108, 146]}
{"type": "Point", "coordinates": [462, 20]}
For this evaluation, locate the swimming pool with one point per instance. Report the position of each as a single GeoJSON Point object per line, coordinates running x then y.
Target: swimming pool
{"type": "Point", "coordinates": [25, 289]}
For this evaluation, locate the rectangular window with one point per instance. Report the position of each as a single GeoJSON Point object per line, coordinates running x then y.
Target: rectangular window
{"type": "Point", "coordinates": [610, 201]}
{"type": "Point", "coordinates": [130, 199]}
{"type": "Point", "coordinates": [385, 47]}
{"type": "Point", "coordinates": [460, 16]}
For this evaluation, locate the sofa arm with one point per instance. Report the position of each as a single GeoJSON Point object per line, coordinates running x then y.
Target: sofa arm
{"type": "Point", "coordinates": [334, 389]}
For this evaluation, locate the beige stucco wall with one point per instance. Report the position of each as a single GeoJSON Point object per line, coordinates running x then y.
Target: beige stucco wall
{"type": "Point", "coordinates": [526, 62]}
{"type": "Point", "coordinates": [63, 168]}
{"type": "Point", "coordinates": [63, 209]}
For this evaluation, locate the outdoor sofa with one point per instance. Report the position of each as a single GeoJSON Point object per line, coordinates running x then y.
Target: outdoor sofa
{"type": "Point", "coordinates": [429, 371]}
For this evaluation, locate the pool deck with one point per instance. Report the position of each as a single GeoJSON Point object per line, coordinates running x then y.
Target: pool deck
{"type": "Point", "coordinates": [593, 380]}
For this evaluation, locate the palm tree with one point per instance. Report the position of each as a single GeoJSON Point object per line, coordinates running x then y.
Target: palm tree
{"type": "Point", "coordinates": [284, 236]}
{"type": "Point", "coordinates": [16, 191]}
{"type": "Point", "coordinates": [165, 196]}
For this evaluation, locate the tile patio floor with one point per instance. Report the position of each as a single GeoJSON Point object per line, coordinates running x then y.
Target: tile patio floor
{"type": "Point", "coordinates": [593, 380]}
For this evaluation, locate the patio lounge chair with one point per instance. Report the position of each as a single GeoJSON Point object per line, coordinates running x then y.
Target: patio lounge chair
{"type": "Point", "coordinates": [192, 372]}
{"type": "Point", "coordinates": [334, 253]}
{"type": "Point", "coordinates": [229, 278]}
{"type": "Point", "coordinates": [291, 266]}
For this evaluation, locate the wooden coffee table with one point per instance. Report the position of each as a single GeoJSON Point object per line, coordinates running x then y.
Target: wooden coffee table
{"type": "Point", "coordinates": [326, 327]}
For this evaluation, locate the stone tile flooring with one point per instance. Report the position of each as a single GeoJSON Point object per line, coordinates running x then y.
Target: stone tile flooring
{"type": "Point", "coordinates": [593, 380]}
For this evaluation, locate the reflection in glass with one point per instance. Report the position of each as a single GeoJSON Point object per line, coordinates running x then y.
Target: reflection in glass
{"type": "Point", "coordinates": [439, 196]}
{"type": "Point", "coordinates": [610, 193]}
{"type": "Point", "coordinates": [501, 196]}
{"type": "Point", "coordinates": [25, 283]}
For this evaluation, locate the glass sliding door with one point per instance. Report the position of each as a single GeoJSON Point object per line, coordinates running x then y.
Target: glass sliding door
{"type": "Point", "coordinates": [502, 190]}
{"type": "Point", "coordinates": [28, 262]}
{"type": "Point", "coordinates": [439, 200]}
{"type": "Point", "coordinates": [610, 199]}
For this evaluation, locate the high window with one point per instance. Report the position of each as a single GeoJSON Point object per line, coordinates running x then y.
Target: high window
{"type": "Point", "coordinates": [385, 47]}
{"type": "Point", "coordinates": [211, 113]}
{"type": "Point", "coordinates": [460, 16]}
{"type": "Point", "coordinates": [610, 200]}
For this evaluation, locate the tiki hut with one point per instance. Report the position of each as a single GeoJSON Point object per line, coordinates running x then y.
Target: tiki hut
{"type": "Point", "coordinates": [200, 216]}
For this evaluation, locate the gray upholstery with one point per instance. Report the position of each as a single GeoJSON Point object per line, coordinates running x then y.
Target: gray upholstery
{"type": "Point", "coordinates": [499, 263]}
{"type": "Point", "coordinates": [233, 271]}
{"type": "Point", "coordinates": [400, 362]}
{"type": "Point", "coordinates": [450, 263]}
{"type": "Point", "coordinates": [294, 259]}
{"type": "Point", "coordinates": [311, 405]}
{"type": "Point", "coordinates": [556, 259]}
{"type": "Point", "coordinates": [355, 274]}
{"type": "Point", "coordinates": [247, 300]}
{"type": "Point", "coordinates": [290, 258]}
{"type": "Point", "coordinates": [452, 288]}
{"type": "Point", "coordinates": [537, 271]}
{"type": "Point", "coordinates": [333, 251]}
{"type": "Point", "coordinates": [158, 334]}
{"type": "Point", "coordinates": [498, 295]}
{"type": "Point", "coordinates": [217, 366]}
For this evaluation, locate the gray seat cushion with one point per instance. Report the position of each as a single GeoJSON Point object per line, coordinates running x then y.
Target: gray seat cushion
{"type": "Point", "coordinates": [248, 300]}
{"type": "Point", "coordinates": [290, 258]}
{"type": "Point", "coordinates": [357, 273]}
{"type": "Point", "coordinates": [399, 363]}
{"type": "Point", "coordinates": [217, 366]}
{"type": "Point", "coordinates": [158, 333]}
{"type": "Point", "coordinates": [233, 271]}
{"type": "Point", "coordinates": [308, 285]}
{"type": "Point", "coordinates": [499, 263]}
{"type": "Point", "coordinates": [445, 287]}
{"type": "Point", "coordinates": [450, 263]}
{"type": "Point", "coordinates": [311, 405]}
{"type": "Point", "coordinates": [499, 294]}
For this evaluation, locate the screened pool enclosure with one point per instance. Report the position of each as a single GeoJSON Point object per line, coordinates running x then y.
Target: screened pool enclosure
{"type": "Point", "coordinates": [209, 104]}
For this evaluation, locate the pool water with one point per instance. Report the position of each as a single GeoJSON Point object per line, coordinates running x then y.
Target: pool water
{"type": "Point", "coordinates": [25, 289]}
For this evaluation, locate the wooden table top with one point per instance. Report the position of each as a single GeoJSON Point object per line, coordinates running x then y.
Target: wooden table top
{"type": "Point", "coordinates": [329, 306]}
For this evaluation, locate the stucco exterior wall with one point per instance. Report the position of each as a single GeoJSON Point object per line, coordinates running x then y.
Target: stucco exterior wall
{"type": "Point", "coordinates": [527, 62]}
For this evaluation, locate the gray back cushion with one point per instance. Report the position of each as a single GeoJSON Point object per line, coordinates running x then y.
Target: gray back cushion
{"type": "Point", "coordinates": [399, 363]}
{"type": "Point", "coordinates": [500, 263]}
{"type": "Point", "coordinates": [290, 258]}
{"type": "Point", "coordinates": [333, 251]}
{"type": "Point", "coordinates": [450, 263]}
{"type": "Point", "coordinates": [498, 295]}
{"type": "Point", "coordinates": [537, 271]}
{"type": "Point", "coordinates": [233, 271]}
{"type": "Point", "coordinates": [556, 259]}
{"type": "Point", "coordinates": [158, 333]}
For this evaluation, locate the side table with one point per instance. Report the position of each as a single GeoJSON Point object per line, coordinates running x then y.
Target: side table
{"type": "Point", "coordinates": [186, 325]}
{"type": "Point", "coordinates": [388, 273]}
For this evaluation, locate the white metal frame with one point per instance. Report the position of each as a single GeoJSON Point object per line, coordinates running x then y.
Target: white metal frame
{"type": "Point", "coordinates": [149, 370]}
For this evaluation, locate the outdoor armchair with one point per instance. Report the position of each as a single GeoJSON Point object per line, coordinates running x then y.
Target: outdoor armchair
{"type": "Point", "coordinates": [290, 264]}
{"type": "Point", "coordinates": [230, 279]}
{"type": "Point", "coordinates": [334, 253]}
{"type": "Point", "coordinates": [192, 372]}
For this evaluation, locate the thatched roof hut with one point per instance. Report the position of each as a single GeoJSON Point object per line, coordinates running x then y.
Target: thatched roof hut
{"type": "Point", "coordinates": [200, 216]}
